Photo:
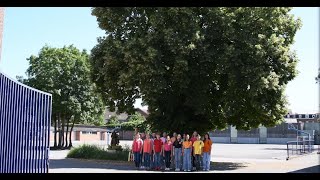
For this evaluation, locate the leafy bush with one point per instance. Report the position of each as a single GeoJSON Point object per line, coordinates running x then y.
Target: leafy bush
{"type": "Point", "coordinates": [135, 121]}
{"type": "Point", "coordinates": [94, 152]}
{"type": "Point", "coordinates": [127, 148]}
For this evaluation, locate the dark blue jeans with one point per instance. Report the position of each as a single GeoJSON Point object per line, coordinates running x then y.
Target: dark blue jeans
{"type": "Point", "coordinates": [137, 158]}
{"type": "Point", "coordinates": [177, 156]}
{"type": "Point", "coordinates": [187, 165]}
{"type": "Point", "coordinates": [147, 160]}
{"type": "Point", "coordinates": [157, 159]}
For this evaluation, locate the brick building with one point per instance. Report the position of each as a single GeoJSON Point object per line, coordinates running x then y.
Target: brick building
{"type": "Point", "coordinates": [85, 133]}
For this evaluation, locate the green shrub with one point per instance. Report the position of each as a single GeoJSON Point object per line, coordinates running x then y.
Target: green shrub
{"type": "Point", "coordinates": [126, 147]}
{"type": "Point", "coordinates": [95, 152]}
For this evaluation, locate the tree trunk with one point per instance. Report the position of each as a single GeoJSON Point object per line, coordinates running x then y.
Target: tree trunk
{"type": "Point", "coordinates": [55, 131]}
{"type": "Point", "coordinates": [62, 130]}
{"type": "Point", "coordinates": [66, 139]}
{"type": "Point", "coordinates": [70, 142]}
{"type": "Point", "coordinates": [59, 127]}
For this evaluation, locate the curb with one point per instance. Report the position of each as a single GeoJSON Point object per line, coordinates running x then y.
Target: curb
{"type": "Point", "coordinates": [103, 161]}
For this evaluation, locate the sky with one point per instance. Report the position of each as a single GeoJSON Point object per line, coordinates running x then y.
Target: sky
{"type": "Point", "coordinates": [27, 30]}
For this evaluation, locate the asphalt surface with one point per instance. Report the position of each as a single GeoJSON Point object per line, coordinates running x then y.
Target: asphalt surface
{"type": "Point", "coordinates": [226, 158]}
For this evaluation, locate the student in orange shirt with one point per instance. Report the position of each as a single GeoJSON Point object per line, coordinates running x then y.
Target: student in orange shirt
{"type": "Point", "coordinates": [206, 152]}
{"type": "Point", "coordinates": [147, 149]}
{"type": "Point", "coordinates": [186, 153]}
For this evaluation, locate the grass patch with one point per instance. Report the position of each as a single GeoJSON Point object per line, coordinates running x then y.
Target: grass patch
{"type": "Point", "coordinates": [95, 152]}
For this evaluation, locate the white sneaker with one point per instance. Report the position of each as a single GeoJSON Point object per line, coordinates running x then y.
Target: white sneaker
{"type": "Point", "coordinates": [189, 170]}
{"type": "Point", "coordinates": [177, 170]}
{"type": "Point", "coordinates": [185, 170]}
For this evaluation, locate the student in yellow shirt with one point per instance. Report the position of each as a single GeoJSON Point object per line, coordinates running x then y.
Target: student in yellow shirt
{"type": "Point", "coordinates": [186, 153]}
{"type": "Point", "coordinates": [197, 151]}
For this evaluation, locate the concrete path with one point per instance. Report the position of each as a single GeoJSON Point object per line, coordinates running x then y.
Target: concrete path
{"type": "Point", "coordinates": [227, 158]}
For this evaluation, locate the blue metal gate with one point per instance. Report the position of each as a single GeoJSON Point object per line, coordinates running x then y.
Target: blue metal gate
{"type": "Point", "coordinates": [25, 117]}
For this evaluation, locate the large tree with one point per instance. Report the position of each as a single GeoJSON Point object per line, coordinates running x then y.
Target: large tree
{"type": "Point", "coordinates": [197, 68]}
{"type": "Point", "coordinates": [65, 73]}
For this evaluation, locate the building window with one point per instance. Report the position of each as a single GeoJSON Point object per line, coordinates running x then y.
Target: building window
{"type": "Point", "coordinates": [88, 132]}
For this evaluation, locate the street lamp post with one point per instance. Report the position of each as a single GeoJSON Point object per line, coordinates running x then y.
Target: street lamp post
{"type": "Point", "coordinates": [318, 114]}
{"type": "Point", "coordinates": [318, 81]}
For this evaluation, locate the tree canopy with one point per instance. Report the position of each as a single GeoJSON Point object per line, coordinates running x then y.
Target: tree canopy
{"type": "Point", "coordinates": [197, 68]}
{"type": "Point", "coordinates": [65, 73]}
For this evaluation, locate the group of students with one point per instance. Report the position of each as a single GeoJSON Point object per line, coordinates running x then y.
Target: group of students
{"type": "Point", "coordinates": [153, 153]}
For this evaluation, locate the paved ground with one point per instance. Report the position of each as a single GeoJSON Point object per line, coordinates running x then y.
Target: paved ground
{"type": "Point", "coordinates": [227, 158]}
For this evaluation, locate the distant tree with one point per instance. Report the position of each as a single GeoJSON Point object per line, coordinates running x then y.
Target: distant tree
{"type": "Point", "coordinates": [135, 120]}
{"type": "Point", "coordinates": [113, 120]}
{"type": "Point", "coordinates": [65, 73]}
{"type": "Point", "coordinates": [197, 68]}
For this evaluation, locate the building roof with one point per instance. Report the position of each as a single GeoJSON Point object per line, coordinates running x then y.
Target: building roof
{"type": "Point", "coordinates": [144, 112]}
{"type": "Point", "coordinates": [87, 128]}
{"type": "Point", "coordinates": [123, 116]}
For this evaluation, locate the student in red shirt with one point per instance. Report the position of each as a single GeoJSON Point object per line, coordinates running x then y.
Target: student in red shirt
{"type": "Point", "coordinates": [137, 150]}
{"type": "Point", "coordinates": [157, 149]}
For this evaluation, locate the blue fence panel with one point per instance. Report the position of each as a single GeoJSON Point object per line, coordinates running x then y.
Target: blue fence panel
{"type": "Point", "coordinates": [25, 118]}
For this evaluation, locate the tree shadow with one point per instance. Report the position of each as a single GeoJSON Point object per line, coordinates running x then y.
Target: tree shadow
{"type": "Point", "coordinates": [128, 166]}
{"type": "Point", "coordinates": [92, 164]}
{"type": "Point", "coordinates": [312, 169]}
{"type": "Point", "coordinates": [225, 166]}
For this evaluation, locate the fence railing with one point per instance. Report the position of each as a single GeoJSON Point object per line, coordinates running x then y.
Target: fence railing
{"type": "Point", "coordinates": [25, 117]}
{"type": "Point", "coordinates": [299, 147]}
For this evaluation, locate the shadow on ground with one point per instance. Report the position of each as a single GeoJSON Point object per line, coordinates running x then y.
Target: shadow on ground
{"type": "Point", "coordinates": [312, 169]}
{"type": "Point", "coordinates": [81, 164]}
{"type": "Point", "coordinates": [75, 163]}
{"type": "Point", "coordinates": [226, 166]}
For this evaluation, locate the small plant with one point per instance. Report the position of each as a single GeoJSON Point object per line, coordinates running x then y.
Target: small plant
{"type": "Point", "coordinates": [127, 148]}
